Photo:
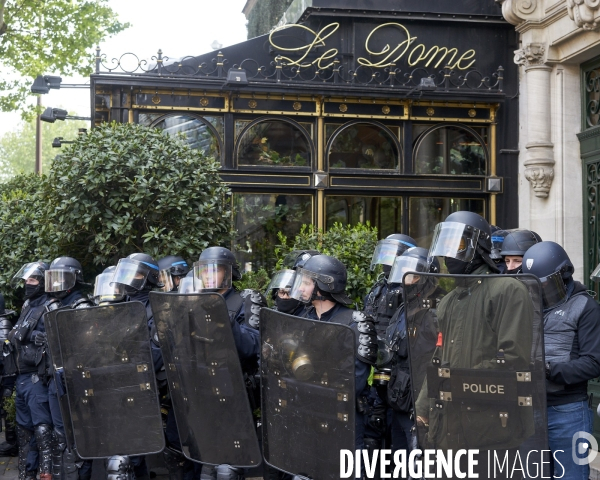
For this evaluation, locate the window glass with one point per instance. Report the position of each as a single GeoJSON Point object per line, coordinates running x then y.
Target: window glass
{"type": "Point", "coordinates": [385, 213]}
{"type": "Point", "coordinates": [259, 217]}
{"type": "Point", "coordinates": [426, 213]}
{"type": "Point", "coordinates": [274, 142]}
{"type": "Point", "coordinates": [197, 133]}
{"type": "Point", "coordinates": [365, 146]}
{"type": "Point", "coordinates": [450, 150]}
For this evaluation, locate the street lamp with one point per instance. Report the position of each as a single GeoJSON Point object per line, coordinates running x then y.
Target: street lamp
{"type": "Point", "coordinates": [43, 83]}
{"type": "Point", "coordinates": [59, 142]}
{"type": "Point", "coordinates": [51, 115]}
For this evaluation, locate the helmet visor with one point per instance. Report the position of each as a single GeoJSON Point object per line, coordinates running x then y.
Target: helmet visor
{"type": "Point", "coordinates": [211, 276]}
{"type": "Point", "coordinates": [387, 250]}
{"type": "Point", "coordinates": [282, 280]}
{"type": "Point", "coordinates": [554, 291]}
{"type": "Point", "coordinates": [29, 270]}
{"type": "Point", "coordinates": [107, 291]}
{"type": "Point", "coordinates": [595, 275]}
{"type": "Point", "coordinates": [406, 264]}
{"type": "Point", "coordinates": [131, 273]}
{"type": "Point", "coordinates": [164, 277]}
{"type": "Point", "coordinates": [186, 285]}
{"type": "Point", "coordinates": [60, 280]}
{"type": "Point", "coordinates": [455, 240]}
{"type": "Point", "coordinates": [304, 286]}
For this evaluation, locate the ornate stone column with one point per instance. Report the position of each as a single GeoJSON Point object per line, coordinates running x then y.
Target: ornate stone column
{"type": "Point", "coordinates": [539, 158]}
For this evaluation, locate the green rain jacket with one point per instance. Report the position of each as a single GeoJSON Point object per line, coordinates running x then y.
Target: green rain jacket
{"type": "Point", "coordinates": [478, 319]}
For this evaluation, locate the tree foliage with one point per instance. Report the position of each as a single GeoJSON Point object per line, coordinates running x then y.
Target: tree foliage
{"type": "Point", "coordinates": [17, 148]}
{"type": "Point", "coordinates": [265, 15]}
{"type": "Point", "coordinates": [126, 188]}
{"type": "Point", "coordinates": [48, 36]}
{"type": "Point", "coordinates": [353, 245]}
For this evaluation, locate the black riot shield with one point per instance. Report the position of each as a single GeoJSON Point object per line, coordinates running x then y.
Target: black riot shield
{"type": "Point", "coordinates": [307, 387]}
{"type": "Point", "coordinates": [57, 366]}
{"type": "Point", "coordinates": [205, 377]}
{"type": "Point", "coordinates": [477, 363]}
{"type": "Point", "coordinates": [109, 375]}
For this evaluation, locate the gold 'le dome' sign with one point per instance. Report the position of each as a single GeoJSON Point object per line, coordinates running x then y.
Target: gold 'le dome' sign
{"type": "Point", "coordinates": [417, 55]}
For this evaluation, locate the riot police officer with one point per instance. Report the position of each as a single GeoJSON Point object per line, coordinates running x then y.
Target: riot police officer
{"type": "Point", "coordinates": [282, 281]}
{"type": "Point", "coordinates": [215, 271]}
{"type": "Point", "coordinates": [64, 280]}
{"type": "Point", "coordinates": [172, 269]}
{"type": "Point", "coordinates": [321, 286]}
{"type": "Point", "coordinates": [516, 243]}
{"type": "Point", "coordinates": [139, 274]}
{"type": "Point", "coordinates": [392, 375]}
{"type": "Point", "coordinates": [25, 356]}
{"type": "Point", "coordinates": [572, 352]}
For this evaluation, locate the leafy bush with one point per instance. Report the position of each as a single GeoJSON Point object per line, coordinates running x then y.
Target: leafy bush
{"type": "Point", "coordinates": [126, 188]}
{"type": "Point", "coordinates": [22, 220]}
{"type": "Point", "coordinates": [353, 245]}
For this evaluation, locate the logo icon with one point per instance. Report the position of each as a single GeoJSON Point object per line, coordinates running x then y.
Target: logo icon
{"type": "Point", "coordinates": [529, 263]}
{"type": "Point", "coordinates": [584, 452]}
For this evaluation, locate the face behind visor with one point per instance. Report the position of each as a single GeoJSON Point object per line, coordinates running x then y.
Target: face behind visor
{"type": "Point", "coordinates": [133, 273]}
{"type": "Point", "coordinates": [106, 291]}
{"type": "Point", "coordinates": [212, 276]}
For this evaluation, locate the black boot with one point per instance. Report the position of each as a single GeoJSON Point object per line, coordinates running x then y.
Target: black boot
{"type": "Point", "coordinates": [43, 438]}
{"type": "Point", "coordinates": [23, 438]}
{"type": "Point", "coordinates": [9, 448]}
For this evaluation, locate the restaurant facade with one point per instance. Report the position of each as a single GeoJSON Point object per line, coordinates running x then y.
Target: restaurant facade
{"type": "Point", "coordinates": [396, 113]}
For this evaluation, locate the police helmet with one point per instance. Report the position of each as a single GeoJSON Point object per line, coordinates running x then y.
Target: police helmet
{"type": "Point", "coordinates": [413, 260]}
{"type": "Point", "coordinates": [497, 241]}
{"type": "Point", "coordinates": [461, 236]}
{"type": "Point", "coordinates": [215, 270]}
{"type": "Point", "coordinates": [550, 263]}
{"type": "Point", "coordinates": [169, 267]}
{"type": "Point", "coordinates": [62, 275]}
{"type": "Point", "coordinates": [389, 248]}
{"type": "Point", "coordinates": [105, 290]}
{"type": "Point", "coordinates": [138, 271]}
{"type": "Point", "coordinates": [328, 274]}
{"type": "Point", "coordinates": [297, 258]}
{"type": "Point", "coordinates": [517, 242]}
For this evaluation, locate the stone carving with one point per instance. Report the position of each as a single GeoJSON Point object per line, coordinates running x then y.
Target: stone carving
{"type": "Point", "coordinates": [540, 177]}
{"type": "Point", "coordinates": [531, 55]}
{"type": "Point", "coordinates": [517, 11]}
{"type": "Point", "coordinates": [582, 12]}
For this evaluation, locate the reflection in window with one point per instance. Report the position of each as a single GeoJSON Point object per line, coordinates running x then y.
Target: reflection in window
{"type": "Point", "coordinates": [385, 213]}
{"type": "Point", "coordinates": [450, 150]}
{"type": "Point", "coordinates": [363, 145]}
{"type": "Point", "coordinates": [148, 119]}
{"type": "Point", "coordinates": [259, 217]}
{"type": "Point", "coordinates": [274, 142]}
{"type": "Point", "coordinates": [426, 213]}
{"type": "Point", "coordinates": [196, 132]}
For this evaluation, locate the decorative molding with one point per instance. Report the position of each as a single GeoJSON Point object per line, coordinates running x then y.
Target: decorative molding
{"type": "Point", "coordinates": [517, 11]}
{"type": "Point", "coordinates": [532, 55]}
{"type": "Point", "coordinates": [583, 13]}
{"type": "Point", "coordinates": [540, 177]}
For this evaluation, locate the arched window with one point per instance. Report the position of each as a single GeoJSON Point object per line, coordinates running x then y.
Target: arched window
{"type": "Point", "coordinates": [364, 146]}
{"type": "Point", "coordinates": [198, 132]}
{"type": "Point", "coordinates": [274, 143]}
{"type": "Point", "coordinates": [450, 149]}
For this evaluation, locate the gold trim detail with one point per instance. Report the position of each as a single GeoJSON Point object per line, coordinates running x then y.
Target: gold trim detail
{"type": "Point", "coordinates": [204, 101]}
{"type": "Point", "coordinates": [472, 112]}
{"type": "Point", "coordinates": [430, 111]}
{"type": "Point", "coordinates": [385, 109]}
{"type": "Point", "coordinates": [343, 107]}
{"type": "Point", "coordinates": [297, 106]}
{"type": "Point", "coordinates": [155, 99]}
{"type": "Point", "coordinates": [252, 104]}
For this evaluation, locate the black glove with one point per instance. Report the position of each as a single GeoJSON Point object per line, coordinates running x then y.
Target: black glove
{"type": "Point", "coordinates": [376, 418]}
{"type": "Point", "coordinates": [39, 338]}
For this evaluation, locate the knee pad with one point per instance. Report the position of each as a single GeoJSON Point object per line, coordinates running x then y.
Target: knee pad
{"type": "Point", "coordinates": [118, 468]}
{"type": "Point", "coordinates": [227, 472]}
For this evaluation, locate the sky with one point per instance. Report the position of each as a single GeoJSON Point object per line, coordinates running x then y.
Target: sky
{"type": "Point", "coordinates": [188, 27]}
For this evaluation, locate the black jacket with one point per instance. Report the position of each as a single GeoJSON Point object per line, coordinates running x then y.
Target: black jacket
{"type": "Point", "coordinates": [572, 346]}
